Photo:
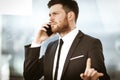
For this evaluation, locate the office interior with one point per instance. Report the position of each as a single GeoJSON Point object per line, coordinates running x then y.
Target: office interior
{"type": "Point", "coordinates": [19, 20]}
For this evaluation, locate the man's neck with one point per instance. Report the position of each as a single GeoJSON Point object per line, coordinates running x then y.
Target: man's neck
{"type": "Point", "coordinates": [65, 33]}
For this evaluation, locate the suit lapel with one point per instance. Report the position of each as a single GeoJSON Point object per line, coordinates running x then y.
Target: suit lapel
{"type": "Point", "coordinates": [50, 60]}
{"type": "Point", "coordinates": [71, 51]}
{"type": "Point", "coordinates": [53, 51]}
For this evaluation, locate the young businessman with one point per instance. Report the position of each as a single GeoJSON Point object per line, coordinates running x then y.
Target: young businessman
{"type": "Point", "coordinates": [81, 56]}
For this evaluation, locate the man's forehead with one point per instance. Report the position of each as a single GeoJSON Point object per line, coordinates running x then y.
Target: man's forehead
{"type": "Point", "coordinates": [56, 8]}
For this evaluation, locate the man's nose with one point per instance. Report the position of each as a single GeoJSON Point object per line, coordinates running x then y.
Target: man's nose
{"type": "Point", "coordinates": [51, 18]}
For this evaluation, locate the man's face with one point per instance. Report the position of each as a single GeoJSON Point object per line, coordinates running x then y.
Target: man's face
{"type": "Point", "coordinates": [58, 19]}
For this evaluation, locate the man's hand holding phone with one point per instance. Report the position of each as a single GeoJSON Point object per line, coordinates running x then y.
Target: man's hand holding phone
{"type": "Point", "coordinates": [43, 33]}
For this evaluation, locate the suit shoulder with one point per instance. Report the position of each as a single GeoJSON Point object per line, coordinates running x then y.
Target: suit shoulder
{"type": "Point", "coordinates": [89, 39]}
{"type": "Point", "coordinates": [86, 36]}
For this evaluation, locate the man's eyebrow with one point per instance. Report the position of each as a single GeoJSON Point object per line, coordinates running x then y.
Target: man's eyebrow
{"type": "Point", "coordinates": [54, 12]}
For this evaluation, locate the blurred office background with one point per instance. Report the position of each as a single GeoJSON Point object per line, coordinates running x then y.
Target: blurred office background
{"type": "Point", "coordinates": [19, 19]}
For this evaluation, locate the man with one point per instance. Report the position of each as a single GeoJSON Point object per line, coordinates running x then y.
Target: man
{"type": "Point", "coordinates": [80, 57]}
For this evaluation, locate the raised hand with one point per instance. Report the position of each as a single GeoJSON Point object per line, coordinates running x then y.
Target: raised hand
{"type": "Point", "coordinates": [90, 73]}
{"type": "Point", "coordinates": [41, 34]}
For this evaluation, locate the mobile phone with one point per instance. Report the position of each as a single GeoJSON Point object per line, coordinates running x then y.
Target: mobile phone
{"type": "Point", "coordinates": [49, 30]}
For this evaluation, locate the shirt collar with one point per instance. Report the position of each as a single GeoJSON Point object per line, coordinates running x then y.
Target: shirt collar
{"type": "Point", "coordinates": [70, 36]}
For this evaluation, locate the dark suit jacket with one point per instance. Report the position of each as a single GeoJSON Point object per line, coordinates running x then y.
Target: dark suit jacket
{"type": "Point", "coordinates": [83, 47]}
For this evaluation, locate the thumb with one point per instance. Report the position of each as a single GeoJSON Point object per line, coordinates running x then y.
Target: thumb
{"type": "Point", "coordinates": [82, 75]}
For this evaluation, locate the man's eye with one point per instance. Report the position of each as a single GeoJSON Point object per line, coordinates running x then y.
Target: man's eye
{"type": "Point", "coordinates": [55, 13]}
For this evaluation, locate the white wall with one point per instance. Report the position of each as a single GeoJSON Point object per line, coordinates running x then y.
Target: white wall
{"type": "Point", "coordinates": [16, 7]}
{"type": "Point", "coordinates": [0, 32]}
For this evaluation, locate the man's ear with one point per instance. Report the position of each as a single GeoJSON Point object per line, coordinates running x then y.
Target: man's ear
{"type": "Point", "coordinates": [71, 15]}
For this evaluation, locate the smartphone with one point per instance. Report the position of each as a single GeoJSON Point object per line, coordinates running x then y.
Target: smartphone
{"type": "Point", "coordinates": [49, 31]}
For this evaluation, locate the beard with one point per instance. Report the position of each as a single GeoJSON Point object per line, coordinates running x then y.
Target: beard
{"type": "Point", "coordinates": [64, 27]}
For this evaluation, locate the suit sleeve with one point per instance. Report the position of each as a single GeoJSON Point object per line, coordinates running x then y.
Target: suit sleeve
{"type": "Point", "coordinates": [33, 66]}
{"type": "Point", "coordinates": [97, 58]}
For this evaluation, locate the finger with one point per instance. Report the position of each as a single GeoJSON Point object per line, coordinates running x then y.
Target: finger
{"type": "Point", "coordinates": [46, 25]}
{"type": "Point", "coordinates": [82, 75]}
{"type": "Point", "coordinates": [100, 74]}
{"type": "Point", "coordinates": [43, 29]}
{"type": "Point", "coordinates": [90, 72]}
{"type": "Point", "coordinates": [94, 73]}
{"type": "Point", "coordinates": [97, 75]}
{"type": "Point", "coordinates": [88, 64]}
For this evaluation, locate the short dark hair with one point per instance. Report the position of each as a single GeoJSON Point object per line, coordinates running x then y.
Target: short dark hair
{"type": "Point", "coordinates": [68, 5]}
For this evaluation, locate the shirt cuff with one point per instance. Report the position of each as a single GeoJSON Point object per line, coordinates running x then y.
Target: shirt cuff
{"type": "Point", "coordinates": [33, 45]}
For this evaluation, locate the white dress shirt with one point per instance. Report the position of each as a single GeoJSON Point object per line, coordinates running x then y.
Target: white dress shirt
{"type": "Point", "coordinates": [68, 40]}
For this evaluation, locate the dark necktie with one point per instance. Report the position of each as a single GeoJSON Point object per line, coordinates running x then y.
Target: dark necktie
{"type": "Point", "coordinates": [57, 64]}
